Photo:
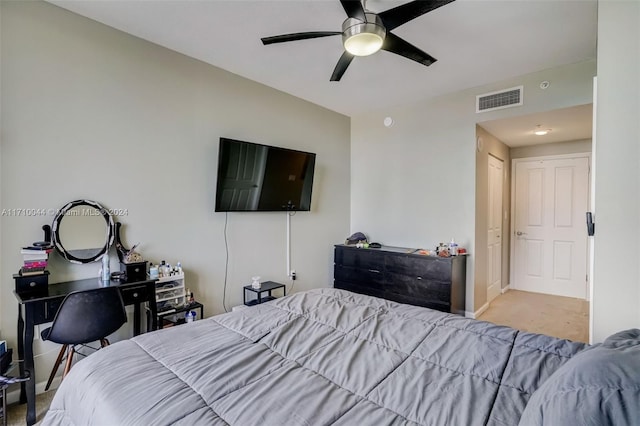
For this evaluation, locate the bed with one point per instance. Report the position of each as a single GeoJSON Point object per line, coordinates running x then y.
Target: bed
{"type": "Point", "coordinates": [328, 356]}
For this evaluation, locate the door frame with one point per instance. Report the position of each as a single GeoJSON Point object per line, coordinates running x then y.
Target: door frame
{"type": "Point", "coordinates": [512, 226]}
{"type": "Point", "coordinates": [503, 183]}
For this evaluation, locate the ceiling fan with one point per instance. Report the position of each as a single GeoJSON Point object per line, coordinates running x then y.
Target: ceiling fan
{"type": "Point", "coordinates": [364, 32]}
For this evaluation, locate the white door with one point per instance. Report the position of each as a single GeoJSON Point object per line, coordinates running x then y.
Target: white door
{"type": "Point", "coordinates": [550, 241]}
{"type": "Point", "coordinates": [494, 228]}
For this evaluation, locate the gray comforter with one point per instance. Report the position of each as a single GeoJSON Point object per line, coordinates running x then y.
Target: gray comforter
{"type": "Point", "coordinates": [320, 357]}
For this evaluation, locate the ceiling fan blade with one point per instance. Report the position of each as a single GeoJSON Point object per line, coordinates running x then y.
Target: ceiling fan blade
{"type": "Point", "coordinates": [397, 16]}
{"type": "Point", "coordinates": [354, 9]}
{"type": "Point", "coordinates": [297, 36]}
{"type": "Point", "coordinates": [394, 44]}
{"type": "Point", "coordinates": [341, 66]}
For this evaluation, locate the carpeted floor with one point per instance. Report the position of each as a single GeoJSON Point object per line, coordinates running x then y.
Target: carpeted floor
{"type": "Point", "coordinates": [557, 316]}
{"type": "Point", "coordinates": [16, 413]}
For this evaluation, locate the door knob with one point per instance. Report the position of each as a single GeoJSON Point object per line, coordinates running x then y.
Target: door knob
{"type": "Point", "coordinates": [519, 233]}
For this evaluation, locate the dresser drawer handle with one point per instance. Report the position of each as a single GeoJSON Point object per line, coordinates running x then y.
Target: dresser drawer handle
{"type": "Point", "coordinates": [33, 284]}
{"type": "Point", "coordinates": [135, 294]}
{"type": "Point", "coordinates": [374, 271]}
{"type": "Point", "coordinates": [419, 278]}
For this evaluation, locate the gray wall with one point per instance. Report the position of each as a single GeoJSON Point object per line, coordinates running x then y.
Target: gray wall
{"type": "Point", "coordinates": [90, 112]}
{"type": "Point", "coordinates": [616, 278]}
{"type": "Point", "coordinates": [414, 184]}
{"type": "Point", "coordinates": [495, 147]}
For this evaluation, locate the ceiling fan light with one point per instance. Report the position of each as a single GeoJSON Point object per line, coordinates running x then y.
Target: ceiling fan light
{"type": "Point", "coordinates": [363, 44]}
{"type": "Point", "coordinates": [363, 38]}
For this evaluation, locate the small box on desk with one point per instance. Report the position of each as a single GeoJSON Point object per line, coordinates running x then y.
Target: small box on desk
{"type": "Point", "coordinates": [32, 283]}
{"type": "Point", "coordinates": [136, 271]}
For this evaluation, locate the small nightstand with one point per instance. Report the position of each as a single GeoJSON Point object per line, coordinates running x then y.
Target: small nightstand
{"type": "Point", "coordinates": [265, 287]}
{"type": "Point", "coordinates": [163, 322]}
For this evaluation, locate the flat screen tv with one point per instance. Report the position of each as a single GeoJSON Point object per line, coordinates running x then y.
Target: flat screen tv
{"type": "Point", "coordinates": [255, 177]}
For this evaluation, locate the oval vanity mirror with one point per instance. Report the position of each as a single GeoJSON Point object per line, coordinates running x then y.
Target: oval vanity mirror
{"type": "Point", "coordinates": [82, 231]}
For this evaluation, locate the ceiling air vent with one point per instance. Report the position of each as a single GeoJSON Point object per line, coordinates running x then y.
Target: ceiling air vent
{"type": "Point", "coordinates": [501, 99]}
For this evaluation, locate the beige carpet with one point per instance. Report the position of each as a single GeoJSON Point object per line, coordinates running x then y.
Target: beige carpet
{"type": "Point", "coordinates": [563, 317]}
{"type": "Point", "coordinates": [16, 413]}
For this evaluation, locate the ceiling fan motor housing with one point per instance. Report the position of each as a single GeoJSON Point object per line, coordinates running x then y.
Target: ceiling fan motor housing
{"type": "Point", "coordinates": [363, 38]}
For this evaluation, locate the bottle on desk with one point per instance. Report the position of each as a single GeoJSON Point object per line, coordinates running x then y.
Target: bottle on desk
{"type": "Point", "coordinates": [105, 273]}
{"type": "Point", "coordinates": [154, 273]}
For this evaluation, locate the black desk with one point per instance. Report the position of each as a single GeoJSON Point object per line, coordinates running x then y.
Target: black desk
{"type": "Point", "coordinates": [41, 308]}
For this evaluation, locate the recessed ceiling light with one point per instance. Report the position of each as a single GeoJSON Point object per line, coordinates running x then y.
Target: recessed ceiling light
{"type": "Point", "coordinates": [541, 132]}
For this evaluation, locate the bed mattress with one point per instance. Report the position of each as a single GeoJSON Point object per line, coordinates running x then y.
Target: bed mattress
{"type": "Point", "coordinates": [319, 357]}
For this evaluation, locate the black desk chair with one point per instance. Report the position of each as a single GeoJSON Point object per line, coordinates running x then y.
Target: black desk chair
{"type": "Point", "coordinates": [84, 317]}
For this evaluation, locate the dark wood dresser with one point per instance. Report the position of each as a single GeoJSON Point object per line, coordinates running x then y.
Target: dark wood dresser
{"type": "Point", "coordinates": [396, 273]}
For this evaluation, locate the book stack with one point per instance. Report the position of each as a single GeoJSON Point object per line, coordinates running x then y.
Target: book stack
{"type": "Point", "coordinates": [34, 260]}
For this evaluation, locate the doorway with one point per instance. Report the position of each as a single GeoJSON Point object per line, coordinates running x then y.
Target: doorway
{"type": "Point", "coordinates": [549, 199]}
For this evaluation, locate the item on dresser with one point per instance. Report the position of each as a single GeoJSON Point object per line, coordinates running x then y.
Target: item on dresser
{"type": "Point", "coordinates": [125, 255]}
{"type": "Point", "coordinates": [118, 276]}
{"type": "Point", "coordinates": [133, 256]}
{"type": "Point", "coordinates": [402, 275]}
{"type": "Point", "coordinates": [453, 248]}
{"type": "Point", "coordinates": [356, 238]}
{"type": "Point", "coordinates": [34, 259]}
{"type": "Point", "coordinates": [154, 272]}
{"type": "Point", "coordinates": [46, 243]}
{"type": "Point", "coordinates": [136, 271]}
{"type": "Point", "coordinates": [171, 292]}
{"type": "Point", "coordinates": [105, 272]}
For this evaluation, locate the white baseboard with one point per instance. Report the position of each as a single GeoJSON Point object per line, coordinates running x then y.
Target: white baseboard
{"type": "Point", "coordinates": [477, 313]}
{"type": "Point", "coordinates": [506, 289]}
{"type": "Point", "coordinates": [14, 395]}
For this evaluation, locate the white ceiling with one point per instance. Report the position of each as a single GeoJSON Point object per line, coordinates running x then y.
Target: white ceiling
{"type": "Point", "coordinates": [566, 124]}
{"type": "Point", "coordinates": [475, 41]}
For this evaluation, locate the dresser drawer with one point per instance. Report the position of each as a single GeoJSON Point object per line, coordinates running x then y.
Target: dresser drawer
{"type": "Point", "coordinates": [367, 277]}
{"type": "Point", "coordinates": [45, 311]}
{"type": "Point", "coordinates": [134, 294]}
{"type": "Point", "coordinates": [32, 284]}
{"type": "Point", "coordinates": [426, 267]}
{"type": "Point", "coordinates": [359, 258]}
{"type": "Point", "coordinates": [418, 287]}
{"type": "Point", "coordinates": [418, 301]}
{"type": "Point", "coordinates": [356, 288]}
